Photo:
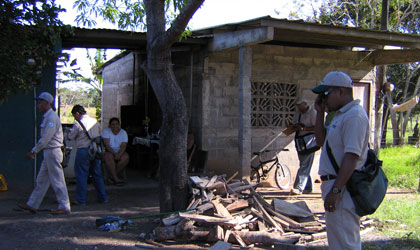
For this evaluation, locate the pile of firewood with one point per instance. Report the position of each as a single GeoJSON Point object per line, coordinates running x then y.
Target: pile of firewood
{"type": "Point", "coordinates": [232, 211]}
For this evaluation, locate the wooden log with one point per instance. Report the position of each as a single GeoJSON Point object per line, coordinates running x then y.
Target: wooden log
{"type": "Point", "coordinates": [209, 219]}
{"type": "Point", "coordinates": [237, 205]}
{"type": "Point", "coordinates": [236, 184]}
{"type": "Point", "coordinates": [265, 238]}
{"type": "Point", "coordinates": [227, 235]}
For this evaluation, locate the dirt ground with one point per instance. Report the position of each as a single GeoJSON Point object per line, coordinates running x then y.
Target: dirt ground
{"type": "Point", "coordinates": [23, 230]}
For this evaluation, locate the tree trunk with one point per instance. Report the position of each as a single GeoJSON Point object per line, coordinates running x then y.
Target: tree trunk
{"type": "Point", "coordinates": [173, 132]}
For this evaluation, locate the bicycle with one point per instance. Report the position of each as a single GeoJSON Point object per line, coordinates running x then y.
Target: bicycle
{"type": "Point", "coordinates": [282, 174]}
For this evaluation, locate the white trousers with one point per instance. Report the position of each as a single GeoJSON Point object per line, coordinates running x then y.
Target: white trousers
{"type": "Point", "coordinates": [343, 225]}
{"type": "Point", "coordinates": [50, 173]}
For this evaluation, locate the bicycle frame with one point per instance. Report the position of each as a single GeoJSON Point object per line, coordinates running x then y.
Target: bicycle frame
{"type": "Point", "coordinates": [262, 163]}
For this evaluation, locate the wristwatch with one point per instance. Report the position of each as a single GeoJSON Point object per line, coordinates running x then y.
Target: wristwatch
{"type": "Point", "coordinates": [336, 190]}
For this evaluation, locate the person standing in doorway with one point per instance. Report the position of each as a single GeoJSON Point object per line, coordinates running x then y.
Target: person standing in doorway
{"type": "Point", "coordinates": [51, 171]}
{"type": "Point", "coordinates": [304, 123]}
{"type": "Point", "coordinates": [83, 165]}
{"type": "Point", "coordinates": [347, 135]}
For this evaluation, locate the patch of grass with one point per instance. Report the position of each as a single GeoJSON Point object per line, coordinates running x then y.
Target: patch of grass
{"type": "Point", "coordinates": [399, 218]}
{"type": "Point", "coordinates": [402, 166]}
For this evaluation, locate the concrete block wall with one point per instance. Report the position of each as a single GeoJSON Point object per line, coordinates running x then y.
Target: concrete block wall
{"type": "Point", "coordinates": [117, 87]}
{"type": "Point", "coordinates": [304, 67]}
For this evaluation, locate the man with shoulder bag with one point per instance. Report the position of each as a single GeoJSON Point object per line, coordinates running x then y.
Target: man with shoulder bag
{"type": "Point", "coordinates": [303, 125]}
{"type": "Point", "coordinates": [347, 137]}
{"type": "Point", "coordinates": [86, 129]}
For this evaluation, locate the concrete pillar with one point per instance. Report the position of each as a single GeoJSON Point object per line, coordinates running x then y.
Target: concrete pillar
{"type": "Point", "coordinates": [244, 131]}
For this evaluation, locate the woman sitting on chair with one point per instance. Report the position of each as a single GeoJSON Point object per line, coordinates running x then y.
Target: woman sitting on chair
{"type": "Point", "coordinates": [116, 158]}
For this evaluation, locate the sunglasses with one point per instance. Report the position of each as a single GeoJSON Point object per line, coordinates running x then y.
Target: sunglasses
{"type": "Point", "coordinates": [329, 91]}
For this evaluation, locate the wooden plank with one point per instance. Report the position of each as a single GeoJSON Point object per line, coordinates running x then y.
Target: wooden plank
{"type": "Point", "coordinates": [220, 209]}
{"type": "Point", "coordinates": [211, 182]}
{"type": "Point", "coordinates": [237, 205]}
{"type": "Point", "coordinates": [229, 40]}
{"type": "Point", "coordinates": [244, 187]}
{"type": "Point", "coordinates": [196, 180]}
{"type": "Point", "coordinates": [267, 216]}
{"type": "Point", "coordinates": [233, 176]}
{"type": "Point", "coordinates": [238, 239]}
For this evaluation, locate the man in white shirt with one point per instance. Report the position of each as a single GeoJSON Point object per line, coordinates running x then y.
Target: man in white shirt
{"type": "Point", "coordinates": [83, 128]}
{"type": "Point", "coordinates": [51, 171]}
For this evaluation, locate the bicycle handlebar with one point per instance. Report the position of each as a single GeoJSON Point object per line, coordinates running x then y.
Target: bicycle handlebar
{"type": "Point", "coordinates": [265, 151]}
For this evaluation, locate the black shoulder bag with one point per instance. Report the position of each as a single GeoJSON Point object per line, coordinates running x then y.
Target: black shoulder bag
{"type": "Point", "coordinates": [305, 144]}
{"type": "Point", "coordinates": [367, 186]}
{"type": "Point", "coordinates": [96, 147]}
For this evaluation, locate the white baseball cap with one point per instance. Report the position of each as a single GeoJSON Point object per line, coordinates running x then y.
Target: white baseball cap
{"type": "Point", "coordinates": [46, 97]}
{"type": "Point", "coordinates": [334, 79]}
{"type": "Point", "coordinates": [301, 100]}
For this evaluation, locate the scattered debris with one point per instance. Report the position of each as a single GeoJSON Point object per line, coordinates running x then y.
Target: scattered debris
{"type": "Point", "coordinates": [222, 212]}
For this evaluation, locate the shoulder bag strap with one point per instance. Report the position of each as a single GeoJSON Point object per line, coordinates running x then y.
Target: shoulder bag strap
{"type": "Point", "coordinates": [84, 129]}
{"type": "Point", "coordinates": [332, 159]}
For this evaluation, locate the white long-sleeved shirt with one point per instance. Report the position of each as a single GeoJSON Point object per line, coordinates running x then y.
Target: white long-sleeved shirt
{"type": "Point", "coordinates": [51, 132]}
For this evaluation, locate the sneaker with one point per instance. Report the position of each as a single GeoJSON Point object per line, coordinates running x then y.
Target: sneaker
{"type": "Point", "coordinates": [104, 201]}
{"type": "Point", "coordinates": [295, 191]}
{"type": "Point", "coordinates": [307, 191]}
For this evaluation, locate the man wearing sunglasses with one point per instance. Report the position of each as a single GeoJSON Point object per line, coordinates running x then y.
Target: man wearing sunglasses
{"type": "Point", "coordinates": [347, 136]}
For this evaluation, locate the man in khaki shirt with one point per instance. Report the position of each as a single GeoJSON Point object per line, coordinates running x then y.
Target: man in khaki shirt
{"type": "Point", "coordinates": [51, 171]}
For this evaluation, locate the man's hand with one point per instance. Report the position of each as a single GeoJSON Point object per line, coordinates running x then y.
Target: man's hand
{"type": "Point", "coordinates": [320, 104]}
{"type": "Point", "coordinates": [331, 201]}
{"type": "Point", "coordinates": [30, 155]}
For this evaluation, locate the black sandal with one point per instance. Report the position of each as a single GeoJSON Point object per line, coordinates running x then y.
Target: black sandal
{"type": "Point", "coordinates": [120, 183]}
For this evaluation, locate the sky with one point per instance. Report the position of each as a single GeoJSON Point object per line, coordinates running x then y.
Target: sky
{"type": "Point", "coordinates": [211, 13]}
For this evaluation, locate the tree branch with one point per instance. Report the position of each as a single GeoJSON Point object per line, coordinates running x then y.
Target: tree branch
{"type": "Point", "coordinates": [178, 26]}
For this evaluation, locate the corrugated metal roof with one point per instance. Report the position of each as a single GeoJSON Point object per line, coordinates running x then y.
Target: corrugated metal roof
{"type": "Point", "coordinates": [286, 32]}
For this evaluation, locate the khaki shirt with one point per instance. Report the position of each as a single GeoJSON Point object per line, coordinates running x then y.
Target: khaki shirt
{"type": "Point", "coordinates": [347, 133]}
{"type": "Point", "coordinates": [51, 132]}
{"type": "Point", "coordinates": [308, 119]}
{"type": "Point", "coordinates": [77, 133]}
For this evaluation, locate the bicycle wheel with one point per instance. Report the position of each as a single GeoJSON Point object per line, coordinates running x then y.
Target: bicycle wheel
{"type": "Point", "coordinates": [283, 176]}
{"type": "Point", "coordinates": [255, 175]}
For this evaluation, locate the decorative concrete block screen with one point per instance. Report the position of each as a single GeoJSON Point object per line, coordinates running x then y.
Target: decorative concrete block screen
{"type": "Point", "coordinates": [273, 104]}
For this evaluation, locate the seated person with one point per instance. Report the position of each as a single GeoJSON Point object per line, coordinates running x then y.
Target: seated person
{"type": "Point", "coordinates": [116, 157]}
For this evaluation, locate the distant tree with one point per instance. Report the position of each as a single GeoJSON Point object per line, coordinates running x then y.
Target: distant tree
{"type": "Point", "coordinates": [404, 16]}
{"type": "Point", "coordinates": [29, 32]}
{"type": "Point", "coordinates": [166, 20]}
{"type": "Point", "coordinates": [74, 74]}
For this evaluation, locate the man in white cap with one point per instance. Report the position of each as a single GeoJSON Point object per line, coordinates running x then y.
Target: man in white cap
{"type": "Point", "coordinates": [304, 124]}
{"type": "Point", "coordinates": [51, 171]}
{"type": "Point", "coordinates": [347, 137]}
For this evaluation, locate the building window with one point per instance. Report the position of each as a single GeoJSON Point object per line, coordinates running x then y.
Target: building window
{"type": "Point", "coordinates": [273, 104]}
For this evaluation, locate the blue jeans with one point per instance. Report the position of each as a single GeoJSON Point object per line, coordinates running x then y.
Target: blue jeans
{"type": "Point", "coordinates": [303, 177]}
{"type": "Point", "coordinates": [82, 168]}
